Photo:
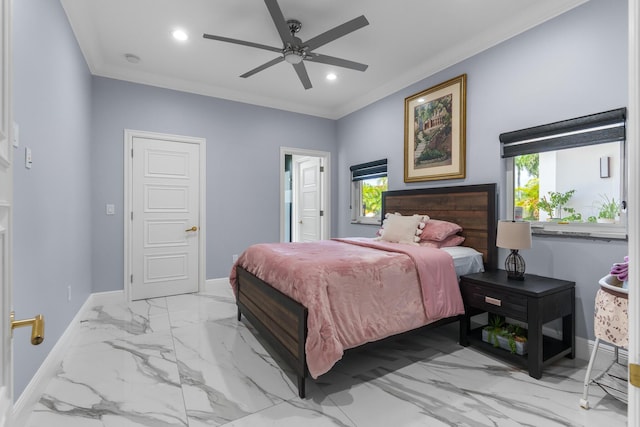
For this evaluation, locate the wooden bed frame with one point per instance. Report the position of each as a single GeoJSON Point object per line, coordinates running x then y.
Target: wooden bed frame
{"type": "Point", "coordinates": [282, 321]}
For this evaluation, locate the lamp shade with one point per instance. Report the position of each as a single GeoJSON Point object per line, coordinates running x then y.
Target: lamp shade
{"type": "Point", "coordinates": [514, 235]}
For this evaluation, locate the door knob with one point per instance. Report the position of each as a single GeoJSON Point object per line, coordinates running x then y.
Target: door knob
{"type": "Point", "coordinates": [36, 323]}
{"type": "Point", "coordinates": [194, 228]}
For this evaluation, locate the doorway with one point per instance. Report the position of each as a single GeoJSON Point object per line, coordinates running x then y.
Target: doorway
{"type": "Point", "coordinates": [304, 199]}
{"type": "Point", "coordinates": [165, 217]}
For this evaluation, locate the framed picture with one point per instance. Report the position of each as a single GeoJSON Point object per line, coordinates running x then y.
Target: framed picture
{"type": "Point", "coordinates": [434, 132]}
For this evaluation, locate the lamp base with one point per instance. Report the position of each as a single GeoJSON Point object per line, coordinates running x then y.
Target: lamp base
{"type": "Point", "coordinates": [514, 265]}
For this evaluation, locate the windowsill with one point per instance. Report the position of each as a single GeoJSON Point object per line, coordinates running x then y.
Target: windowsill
{"type": "Point", "coordinates": [580, 230]}
{"type": "Point", "coordinates": [366, 221]}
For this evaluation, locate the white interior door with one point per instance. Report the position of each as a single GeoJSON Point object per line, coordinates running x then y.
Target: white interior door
{"type": "Point", "coordinates": [165, 224]}
{"type": "Point", "coordinates": [6, 203]}
{"type": "Point", "coordinates": [308, 188]}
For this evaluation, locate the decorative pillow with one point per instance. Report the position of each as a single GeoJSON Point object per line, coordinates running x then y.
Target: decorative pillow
{"type": "Point", "coordinates": [439, 230]}
{"type": "Point", "coordinates": [449, 242]}
{"type": "Point", "coordinates": [397, 228]}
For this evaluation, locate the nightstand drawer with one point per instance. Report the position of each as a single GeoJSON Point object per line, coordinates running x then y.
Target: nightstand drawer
{"type": "Point", "coordinates": [495, 301]}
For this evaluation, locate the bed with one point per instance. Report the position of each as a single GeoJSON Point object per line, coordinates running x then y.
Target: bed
{"type": "Point", "coordinates": [284, 322]}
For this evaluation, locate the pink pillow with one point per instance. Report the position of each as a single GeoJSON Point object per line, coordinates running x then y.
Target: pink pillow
{"type": "Point", "coordinates": [446, 243]}
{"type": "Point", "coordinates": [439, 230]}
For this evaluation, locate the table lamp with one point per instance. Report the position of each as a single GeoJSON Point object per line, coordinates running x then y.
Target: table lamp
{"type": "Point", "coordinates": [514, 235]}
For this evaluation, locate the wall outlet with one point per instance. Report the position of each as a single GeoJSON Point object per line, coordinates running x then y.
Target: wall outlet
{"type": "Point", "coordinates": [234, 258]}
{"type": "Point", "coordinates": [69, 293]}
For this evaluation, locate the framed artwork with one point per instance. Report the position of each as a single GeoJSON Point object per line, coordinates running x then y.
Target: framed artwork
{"type": "Point", "coordinates": [434, 132]}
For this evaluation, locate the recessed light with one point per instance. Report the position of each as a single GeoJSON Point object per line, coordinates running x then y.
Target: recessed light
{"type": "Point", "coordinates": [331, 76]}
{"type": "Point", "coordinates": [180, 35]}
{"type": "Point", "coordinates": [134, 59]}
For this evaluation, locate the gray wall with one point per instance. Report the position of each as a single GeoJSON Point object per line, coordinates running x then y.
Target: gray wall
{"type": "Point", "coordinates": [243, 166]}
{"type": "Point", "coordinates": [52, 221]}
{"type": "Point", "coordinates": [570, 66]}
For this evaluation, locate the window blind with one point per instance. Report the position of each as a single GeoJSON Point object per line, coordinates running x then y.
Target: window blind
{"type": "Point", "coordinates": [370, 170]}
{"type": "Point", "coordinates": [599, 128]}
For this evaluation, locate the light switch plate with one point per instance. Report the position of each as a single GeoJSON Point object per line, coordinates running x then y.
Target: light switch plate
{"type": "Point", "coordinates": [110, 209]}
{"type": "Point", "coordinates": [28, 161]}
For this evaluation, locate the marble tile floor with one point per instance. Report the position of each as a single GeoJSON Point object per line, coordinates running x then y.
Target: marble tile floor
{"type": "Point", "coordinates": [186, 361]}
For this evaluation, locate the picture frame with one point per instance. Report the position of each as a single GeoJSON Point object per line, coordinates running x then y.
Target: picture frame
{"type": "Point", "coordinates": [435, 132]}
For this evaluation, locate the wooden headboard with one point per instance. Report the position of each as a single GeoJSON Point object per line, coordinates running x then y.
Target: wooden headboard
{"type": "Point", "coordinates": [473, 207]}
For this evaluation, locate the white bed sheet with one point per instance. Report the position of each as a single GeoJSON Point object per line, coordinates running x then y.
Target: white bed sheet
{"type": "Point", "coordinates": [465, 260]}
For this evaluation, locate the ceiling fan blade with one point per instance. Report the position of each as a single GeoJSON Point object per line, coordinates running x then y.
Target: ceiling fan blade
{"type": "Point", "coordinates": [263, 67]}
{"type": "Point", "coordinates": [338, 62]}
{"type": "Point", "coordinates": [302, 75]}
{"type": "Point", "coordinates": [242, 42]}
{"type": "Point", "coordinates": [279, 21]}
{"type": "Point", "coordinates": [337, 32]}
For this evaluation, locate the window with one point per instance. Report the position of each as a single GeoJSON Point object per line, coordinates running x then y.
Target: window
{"type": "Point", "coordinates": [368, 181]}
{"type": "Point", "coordinates": [568, 178]}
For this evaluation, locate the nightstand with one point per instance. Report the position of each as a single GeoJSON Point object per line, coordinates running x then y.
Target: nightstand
{"type": "Point", "coordinates": [535, 300]}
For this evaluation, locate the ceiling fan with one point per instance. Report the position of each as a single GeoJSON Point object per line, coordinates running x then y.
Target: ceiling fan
{"type": "Point", "coordinates": [294, 51]}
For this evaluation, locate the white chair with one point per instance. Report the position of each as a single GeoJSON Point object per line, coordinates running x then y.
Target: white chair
{"type": "Point", "coordinates": [611, 322]}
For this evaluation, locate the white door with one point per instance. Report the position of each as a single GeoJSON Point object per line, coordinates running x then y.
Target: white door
{"type": "Point", "coordinates": [165, 228]}
{"type": "Point", "coordinates": [308, 210]}
{"type": "Point", "coordinates": [322, 184]}
{"type": "Point", "coordinates": [6, 203]}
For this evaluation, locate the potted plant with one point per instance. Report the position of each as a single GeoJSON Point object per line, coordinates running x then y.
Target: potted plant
{"type": "Point", "coordinates": [554, 205]}
{"type": "Point", "coordinates": [509, 337]}
{"type": "Point", "coordinates": [608, 209]}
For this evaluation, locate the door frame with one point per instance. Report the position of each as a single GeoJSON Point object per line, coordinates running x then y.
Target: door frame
{"type": "Point", "coordinates": [6, 216]}
{"type": "Point", "coordinates": [325, 180]}
{"type": "Point", "coordinates": [129, 135]}
{"type": "Point", "coordinates": [633, 139]}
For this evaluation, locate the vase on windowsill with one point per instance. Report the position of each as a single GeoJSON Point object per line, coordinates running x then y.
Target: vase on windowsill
{"type": "Point", "coordinates": [606, 221]}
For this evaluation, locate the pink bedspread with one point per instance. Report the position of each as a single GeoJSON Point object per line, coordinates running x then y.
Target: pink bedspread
{"type": "Point", "coordinates": [356, 290]}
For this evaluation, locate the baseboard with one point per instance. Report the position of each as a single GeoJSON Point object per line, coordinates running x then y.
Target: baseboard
{"type": "Point", "coordinates": [214, 283]}
{"type": "Point", "coordinates": [584, 347]}
{"type": "Point", "coordinates": [36, 387]}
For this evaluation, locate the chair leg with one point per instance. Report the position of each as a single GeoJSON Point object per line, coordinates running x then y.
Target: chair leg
{"type": "Point", "coordinates": [584, 402]}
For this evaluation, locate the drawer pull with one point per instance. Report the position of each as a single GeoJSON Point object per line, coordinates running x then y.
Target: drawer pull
{"type": "Point", "coordinates": [493, 301]}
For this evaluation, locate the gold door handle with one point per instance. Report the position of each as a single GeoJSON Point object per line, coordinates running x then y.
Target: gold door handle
{"type": "Point", "coordinates": [36, 323]}
{"type": "Point", "coordinates": [194, 228]}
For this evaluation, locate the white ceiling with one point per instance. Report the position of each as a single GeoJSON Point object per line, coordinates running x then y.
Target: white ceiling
{"type": "Point", "coordinates": [405, 42]}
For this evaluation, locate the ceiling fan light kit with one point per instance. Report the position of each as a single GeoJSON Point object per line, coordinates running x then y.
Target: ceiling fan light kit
{"type": "Point", "coordinates": [294, 51]}
{"type": "Point", "coordinates": [293, 56]}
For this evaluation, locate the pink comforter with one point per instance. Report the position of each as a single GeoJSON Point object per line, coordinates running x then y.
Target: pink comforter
{"type": "Point", "coordinates": [356, 290]}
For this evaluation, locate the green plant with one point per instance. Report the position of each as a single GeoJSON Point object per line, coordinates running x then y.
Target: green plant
{"type": "Point", "coordinates": [608, 209]}
{"type": "Point", "coordinates": [528, 198]}
{"type": "Point", "coordinates": [494, 329]}
{"type": "Point", "coordinates": [372, 195]}
{"type": "Point", "coordinates": [555, 203]}
{"type": "Point", "coordinates": [512, 333]}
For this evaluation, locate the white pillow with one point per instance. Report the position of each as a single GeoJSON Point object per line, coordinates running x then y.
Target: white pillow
{"type": "Point", "coordinates": [402, 229]}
